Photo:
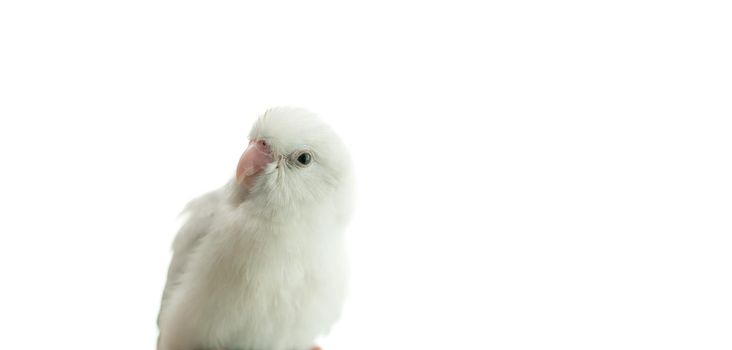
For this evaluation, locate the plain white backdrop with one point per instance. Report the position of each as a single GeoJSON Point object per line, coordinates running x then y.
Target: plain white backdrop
{"type": "Point", "coordinates": [532, 174]}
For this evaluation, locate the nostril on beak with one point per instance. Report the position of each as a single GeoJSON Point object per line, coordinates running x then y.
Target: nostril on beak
{"type": "Point", "coordinates": [264, 146]}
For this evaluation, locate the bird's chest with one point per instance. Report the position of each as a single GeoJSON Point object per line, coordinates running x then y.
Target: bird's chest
{"type": "Point", "coordinates": [265, 273]}
{"type": "Point", "coordinates": [258, 266]}
{"type": "Point", "coordinates": [278, 288]}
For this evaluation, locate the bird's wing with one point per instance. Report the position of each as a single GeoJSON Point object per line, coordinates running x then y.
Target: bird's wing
{"type": "Point", "coordinates": [200, 214]}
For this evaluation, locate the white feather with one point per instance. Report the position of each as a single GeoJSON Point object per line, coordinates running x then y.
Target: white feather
{"type": "Point", "coordinates": [264, 268]}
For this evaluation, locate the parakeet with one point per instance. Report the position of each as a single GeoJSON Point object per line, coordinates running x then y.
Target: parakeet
{"type": "Point", "coordinates": [260, 263]}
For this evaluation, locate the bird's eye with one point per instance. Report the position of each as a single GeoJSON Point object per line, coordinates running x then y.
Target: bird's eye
{"type": "Point", "coordinates": [304, 158]}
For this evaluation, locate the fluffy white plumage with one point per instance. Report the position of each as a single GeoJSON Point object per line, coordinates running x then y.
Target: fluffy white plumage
{"type": "Point", "coordinates": [261, 264]}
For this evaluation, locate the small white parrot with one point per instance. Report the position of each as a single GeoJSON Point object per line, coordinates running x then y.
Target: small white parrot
{"type": "Point", "coordinates": [260, 263]}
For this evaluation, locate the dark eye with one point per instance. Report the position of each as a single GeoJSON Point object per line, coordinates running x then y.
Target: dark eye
{"type": "Point", "coordinates": [304, 158]}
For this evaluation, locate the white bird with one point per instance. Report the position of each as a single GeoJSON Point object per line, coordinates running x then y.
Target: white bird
{"type": "Point", "coordinates": [260, 263]}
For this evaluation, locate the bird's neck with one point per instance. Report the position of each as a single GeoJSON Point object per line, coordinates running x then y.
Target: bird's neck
{"type": "Point", "coordinates": [273, 209]}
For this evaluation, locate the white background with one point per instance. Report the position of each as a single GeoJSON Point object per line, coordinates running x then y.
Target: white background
{"type": "Point", "coordinates": [532, 174]}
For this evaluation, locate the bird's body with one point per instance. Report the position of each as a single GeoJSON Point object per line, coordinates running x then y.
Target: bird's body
{"type": "Point", "coordinates": [260, 263]}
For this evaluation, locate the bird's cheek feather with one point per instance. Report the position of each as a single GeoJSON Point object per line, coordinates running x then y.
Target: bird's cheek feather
{"type": "Point", "coordinates": [252, 161]}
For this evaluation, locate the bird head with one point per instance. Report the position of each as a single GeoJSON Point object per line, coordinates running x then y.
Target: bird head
{"type": "Point", "coordinates": [293, 158]}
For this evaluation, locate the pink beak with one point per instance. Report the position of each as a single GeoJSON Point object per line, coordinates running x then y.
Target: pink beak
{"type": "Point", "coordinates": [252, 161]}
